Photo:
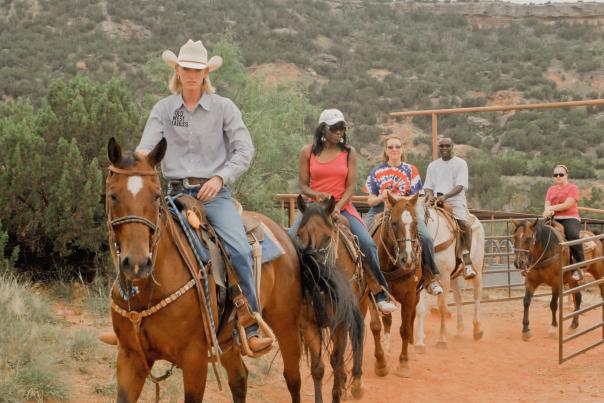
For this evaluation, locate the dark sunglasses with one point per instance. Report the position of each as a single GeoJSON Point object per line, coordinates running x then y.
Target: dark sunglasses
{"type": "Point", "coordinates": [340, 126]}
{"type": "Point", "coordinates": [444, 146]}
{"type": "Point", "coordinates": [558, 175]}
{"type": "Point", "coordinates": [394, 147]}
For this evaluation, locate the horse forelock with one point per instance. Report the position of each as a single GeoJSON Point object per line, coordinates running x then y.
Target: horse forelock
{"type": "Point", "coordinates": [313, 210]}
{"type": "Point", "coordinates": [129, 160]}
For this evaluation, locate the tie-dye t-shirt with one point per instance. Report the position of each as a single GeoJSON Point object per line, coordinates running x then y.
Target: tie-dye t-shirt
{"type": "Point", "coordinates": [401, 180]}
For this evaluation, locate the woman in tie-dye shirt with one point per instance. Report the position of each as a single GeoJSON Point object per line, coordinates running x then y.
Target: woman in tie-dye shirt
{"type": "Point", "coordinates": [399, 178]}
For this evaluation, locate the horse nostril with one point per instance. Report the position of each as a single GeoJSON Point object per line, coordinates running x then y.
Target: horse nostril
{"type": "Point", "coordinates": [125, 263]}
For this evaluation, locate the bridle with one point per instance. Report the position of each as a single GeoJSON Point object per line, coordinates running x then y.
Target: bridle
{"type": "Point", "coordinates": [386, 232]}
{"type": "Point", "coordinates": [539, 262]}
{"type": "Point", "coordinates": [113, 223]}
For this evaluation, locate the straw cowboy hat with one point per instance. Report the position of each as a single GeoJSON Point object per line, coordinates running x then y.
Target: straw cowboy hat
{"type": "Point", "coordinates": [192, 55]}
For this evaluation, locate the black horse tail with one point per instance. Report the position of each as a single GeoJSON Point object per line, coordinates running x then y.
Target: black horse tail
{"type": "Point", "coordinates": [333, 301]}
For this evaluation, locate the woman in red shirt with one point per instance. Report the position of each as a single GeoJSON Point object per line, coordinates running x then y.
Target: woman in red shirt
{"type": "Point", "coordinates": [561, 204]}
{"type": "Point", "coordinates": [328, 168]}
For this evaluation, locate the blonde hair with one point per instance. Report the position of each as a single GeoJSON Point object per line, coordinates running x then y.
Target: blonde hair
{"type": "Point", "coordinates": [563, 167]}
{"type": "Point", "coordinates": [393, 137]}
{"type": "Point", "coordinates": [175, 85]}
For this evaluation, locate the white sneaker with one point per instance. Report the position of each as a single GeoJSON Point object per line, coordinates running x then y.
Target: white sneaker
{"type": "Point", "coordinates": [386, 307]}
{"type": "Point", "coordinates": [434, 288]}
{"type": "Point", "coordinates": [468, 272]}
{"type": "Point", "coordinates": [578, 275]}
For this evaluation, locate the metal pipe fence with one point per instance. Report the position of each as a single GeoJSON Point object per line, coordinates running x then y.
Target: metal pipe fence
{"type": "Point", "coordinates": [562, 357]}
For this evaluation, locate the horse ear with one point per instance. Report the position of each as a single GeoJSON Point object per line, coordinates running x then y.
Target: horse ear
{"type": "Point", "coordinates": [114, 151]}
{"type": "Point", "coordinates": [331, 205]}
{"type": "Point", "coordinates": [516, 223]}
{"type": "Point", "coordinates": [414, 198]}
{"type": "Point", "coordinates": [535, 222]}
{"type": "Point", "coordinates": [300, 203]}
{"type": "Point", "coordinates": [391, 199]}
{"type": "Point", "coordinates": [158, 152]}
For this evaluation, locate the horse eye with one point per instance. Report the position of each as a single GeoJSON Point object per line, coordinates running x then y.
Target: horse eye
{"type": "Point", "coordinates": [113, 198]}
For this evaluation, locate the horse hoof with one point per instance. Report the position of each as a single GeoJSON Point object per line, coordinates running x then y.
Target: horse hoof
{"type": "Point", "coordinates": [571, 330]}
{"type": "Point", "coordinates": [381, 371]}
{"type": "Point", "coordinates": [442, 345]}
{"type": "Point", "coordinates": [526, 336]}
{"type": "Point", "coordinates": [552, 333]}
{"type": "Point", "coordinates": [420, 349]}
{"type": "Point", "coordinates": [403, 371]}
{"type": "Point", "coordinates": [356, 389]}
{"type": "Point", "coordinates": [478, 334]}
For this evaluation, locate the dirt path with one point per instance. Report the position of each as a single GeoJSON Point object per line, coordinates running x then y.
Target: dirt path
{"type": "Point", "coordinates": [501, 367]}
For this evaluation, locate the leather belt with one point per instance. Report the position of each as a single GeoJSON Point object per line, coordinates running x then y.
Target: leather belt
{"type": "Point", "coordinates": [186, 183]}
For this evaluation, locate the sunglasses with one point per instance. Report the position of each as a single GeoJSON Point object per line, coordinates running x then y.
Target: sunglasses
{"type": "Point", "coordinates": [394, 147]}
{"type": "Point", "coordinates": [558, 175]}
{"type": "Point", "coordinates": [444, 146]}
{"type": "Point", "coordinates": [340, 126]}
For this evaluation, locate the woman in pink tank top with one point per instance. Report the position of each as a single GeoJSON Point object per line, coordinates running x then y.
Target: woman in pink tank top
{"type": "Point", "coordinates": [561, 205]}
{"type": "Point", "coordinates": [328, 168]}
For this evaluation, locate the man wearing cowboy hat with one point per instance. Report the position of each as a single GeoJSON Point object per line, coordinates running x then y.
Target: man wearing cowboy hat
{"type": "Point", "coordinates": [209, 147]}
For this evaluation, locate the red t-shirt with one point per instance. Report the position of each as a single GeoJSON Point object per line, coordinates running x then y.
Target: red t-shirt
{"type": "Point", "coordinates": [558, 195]}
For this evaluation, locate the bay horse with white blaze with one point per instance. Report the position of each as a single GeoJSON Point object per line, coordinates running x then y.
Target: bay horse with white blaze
{"type": "Point", "coordinates": [167, 317]}
{"type": "Point", "coordinates": [399, 249]}
{"type": "Point", "coordinates": [538, 254]}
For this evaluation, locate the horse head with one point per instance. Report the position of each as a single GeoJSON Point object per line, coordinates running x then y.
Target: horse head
{"type": "Point", "coordinates": [133, 205]}
{"type": "Point", "coordinates": [400, 231]}
{"type": "Point", "coordinates": [316, 227]}
{"type": "Point", "coordinates": [524, 243]}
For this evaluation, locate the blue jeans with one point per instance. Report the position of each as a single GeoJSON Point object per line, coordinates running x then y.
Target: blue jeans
{"type": "Point", "coordinates": [227, 223]}
{"type": "Point", "coordinates": [367, 246]}
{"type": "Point", "coordinates": [424, 237]}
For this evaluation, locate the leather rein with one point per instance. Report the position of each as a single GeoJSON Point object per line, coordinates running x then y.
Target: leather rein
{"type": "Point", "coordinates": [386, 232]}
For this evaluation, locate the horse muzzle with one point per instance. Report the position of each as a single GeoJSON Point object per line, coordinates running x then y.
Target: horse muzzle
{"type": "Point", "coordinates": [136, 269]}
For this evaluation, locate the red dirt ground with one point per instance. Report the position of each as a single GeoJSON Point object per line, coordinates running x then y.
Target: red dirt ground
{"type": "Point", "coordinates": [500, 367]}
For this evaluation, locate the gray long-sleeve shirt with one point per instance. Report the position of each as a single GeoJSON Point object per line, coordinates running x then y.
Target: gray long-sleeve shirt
{"type": "Point", "coordinates": [212, 140]}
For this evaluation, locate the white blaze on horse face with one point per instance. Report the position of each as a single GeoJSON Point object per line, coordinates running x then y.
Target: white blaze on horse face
{"type": "Point", "coordinates": [407, 219]}
{"type": "Point", "coordinates": [135, 184]}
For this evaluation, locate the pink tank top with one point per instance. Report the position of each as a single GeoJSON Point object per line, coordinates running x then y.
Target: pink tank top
{"type": "Point", "coordinates": [330, 177]}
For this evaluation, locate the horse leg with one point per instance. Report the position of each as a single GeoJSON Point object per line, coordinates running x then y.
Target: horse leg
{"type": "Point", "coordinates": [131, 374]}
{"type": "Point", "coordinates": [407, 309]}
{"type": "Point", "coordinates": [420, 342]}
{"type": "Point", "coordinates": [356, 384]}
{"type": "Point", "coordinates": [337, 364]}
{"type": "Point", "coordinates": [387, 322]}
{"type": "Point", "coordinates": [458, 305]}
{"type": "Point", "coordinates": [553, 305]}
{"type": "Point", "coordinates": [236, 372]}
{"type": "Point", "coordinates": [575, 323]}
{"type": "Point", "coordinates": [442, 304]}
{"type": "Point", "coordinates": [312, 340]}
{"type": "Point", "coordinates": [194, 374]}
{"type": "Point", "coordinates": [477, 331]}
{"type": "Point", "coordinates": [288, 337]}
{"type": "Point", "coordinates": [528, 296]}
{"type": "Point", "coordinates": [380, 367]}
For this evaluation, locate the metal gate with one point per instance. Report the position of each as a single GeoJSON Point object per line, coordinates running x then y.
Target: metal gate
{"type": "Point", "coordinates": [562, 317]}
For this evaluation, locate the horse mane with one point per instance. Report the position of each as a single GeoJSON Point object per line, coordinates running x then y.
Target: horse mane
{"type": "Point", "coordinates": [545, 236]}
{"type": "Point", "coordinates": [128, 160]}
{"type": "Point", "coordinates": [311, 210]}
{"type": "Point", "coordinates": [322, 282]}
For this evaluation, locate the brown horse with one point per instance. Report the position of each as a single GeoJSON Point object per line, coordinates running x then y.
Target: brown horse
{"type": "Point", "coordinates": [538, 254]}
{"type": "Point", "coordinates": [319, 232]}
{"type": "Point", "coordinates": [164, 319]}
{"type": "Point", "coordinates": [399, 250]}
